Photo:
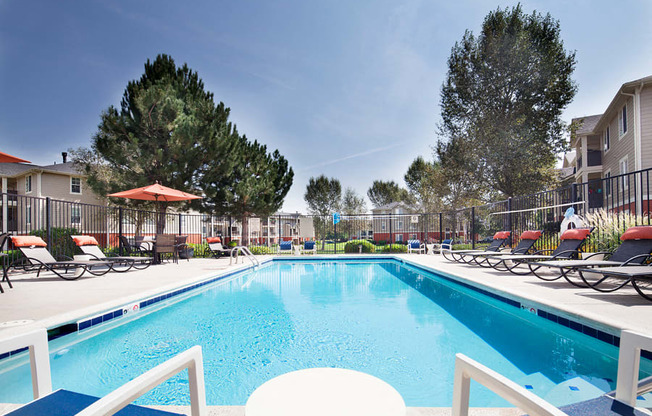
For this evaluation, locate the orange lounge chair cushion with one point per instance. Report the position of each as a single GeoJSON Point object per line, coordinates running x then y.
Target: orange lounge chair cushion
{"type": "Point", "coordinates": [643, 232]}
{"type": "Point", "coordinates": [28, 241]}
{"type": "Point", "coordinates": [576, 234]}
{"type": "Point", "coordinates": [85, 240]}
{"type": "Point", "coordinates": [210, 240]}
{"type": "Point", "coordinates": [530, 235]}
{"type": "Point", "coordinates": [501, 235]}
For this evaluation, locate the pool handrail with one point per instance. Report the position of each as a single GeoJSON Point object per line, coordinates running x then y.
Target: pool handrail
{"type": "Point", "coordinates": [467, 369]}
{"type": "Point", "coordinates": [39, 358]}
{"type": "Point", "coordinates": [127, 393]}
{"type": "Point", "coordinates": [629, 360]}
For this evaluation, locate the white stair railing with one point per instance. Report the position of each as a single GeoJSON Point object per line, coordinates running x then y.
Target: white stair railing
{"type": "Point", "coordinates": [248, 254]}
{"type": "Point", "coordinates": [629, 360]}
{"type": "Point", "coordinates": [39, 359]}
{"type": "Point", "coordinates": [467, 369]}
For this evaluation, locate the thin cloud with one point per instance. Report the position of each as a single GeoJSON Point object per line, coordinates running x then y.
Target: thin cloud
{"type": "Point", "coordinates": [341, 159]}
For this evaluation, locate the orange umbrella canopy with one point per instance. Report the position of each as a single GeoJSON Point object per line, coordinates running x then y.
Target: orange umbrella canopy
{"type": "Point", "coordinates": [5, 158]}
{"type": "Point", "coordinates": [156, 192]}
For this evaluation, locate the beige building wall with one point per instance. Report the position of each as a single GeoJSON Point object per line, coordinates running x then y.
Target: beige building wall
{"type": "Point", "coordinates": [646, 128]}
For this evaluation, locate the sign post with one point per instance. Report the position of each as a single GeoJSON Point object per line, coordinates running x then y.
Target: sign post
{"type": "Point", "coordinates": [336, 219]}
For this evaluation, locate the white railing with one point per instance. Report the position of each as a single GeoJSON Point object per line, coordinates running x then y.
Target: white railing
{"type": "Point", "coordinates": [467, 369]}
{"type": "Point", "coordinates": [248, 254]}
{"type": "Point", "coordinates": [39, 359]}
{"type": "Point", "coordinates": [124, 395]}
{"type": "Point", "coordinates": [629, 360]}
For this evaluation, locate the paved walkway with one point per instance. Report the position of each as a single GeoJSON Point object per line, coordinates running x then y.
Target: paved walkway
{"type": "Point", "coordinates": [50, 301]}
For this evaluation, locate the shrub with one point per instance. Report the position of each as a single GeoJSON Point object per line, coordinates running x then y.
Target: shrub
{"type": "Point", "coordinates": [353, 246]}
{"type": "Point", "coordinates": [395, 248]}
{"type": "Point", "coordinates": [258, 250]}
{"type": "Point", "coordinates": [200, 250]}
{"type": "Point", "coordinates": [608, 228]}
{"type": "Point", "coordinates": [62, 243]}
{"type": "Point", "coordinates": [233, 243]}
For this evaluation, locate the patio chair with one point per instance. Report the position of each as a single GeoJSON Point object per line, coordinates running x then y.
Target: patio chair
{"type": "Point", "coordinates": [570, 243]}
{"type": "Point", "coordinates": [528, 239]}
{"type": "Point", "coordinates": [181, 246]}
{"type": "Point", "coordinates": [439, 247]}
{"type": "Point", "coordinates": [216, 248]}
{"type": "Point", "coordinates": [499, 240]}
{"type": "Point", "coordinates": [285, 247]}
{"type": "Point", "coordinates": [166, 244]}
{"type": "Point", "coordinates": [66, 402]}
{"type": "Point", "coordinates": [89, 246]}
{"type": "Point", "coordinates": [416, 246]}
{"type": "Point", "coordinates": [309, 247]}
{"type": "Point", "coordinates": [3, 262]}
{"type": "Point", "coordinates": [38, 258]}
{"type": "Point", "coordinates": [634, 250]}
{"type": "Point", "coordinates": [133, 249]}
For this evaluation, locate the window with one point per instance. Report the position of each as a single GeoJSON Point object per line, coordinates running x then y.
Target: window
{"type": "Point", "coordinates": [75, 215]}
{"type": "Point", "coordinates": [382, 226]}
{"type": "Point", "coordinates": [607, 139]}
{"type": "Point", "coordinates": [398, 238]}
{"type": "Point", "coordinates": [607, 182]}
{"type": "Point", "coordinates": [28, 214]}
{"type": "Point", "coordinates": [623, 171]}
{"type": "Point", "coordinates": [399, 225]}
{"type": "Point", "coordinates": [622, 121]}
{"type": "Point", "coordinates": [75, 185]}
{"type": "Point", "coordinates": [28, 184]}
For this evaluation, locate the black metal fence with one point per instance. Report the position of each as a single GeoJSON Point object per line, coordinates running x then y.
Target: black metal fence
{"type": "Point", "coordinates": [610, 204]}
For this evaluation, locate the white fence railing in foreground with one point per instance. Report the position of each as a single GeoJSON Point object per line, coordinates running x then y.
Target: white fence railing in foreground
{"type": "Point", "coordinates": [629, 359]}
{"type": "Point", "coordinates": [467, 369]}
{"type": "Point", "coordinates": [122, 396]}
{"type": "Point", "coordinates": [39, 358]}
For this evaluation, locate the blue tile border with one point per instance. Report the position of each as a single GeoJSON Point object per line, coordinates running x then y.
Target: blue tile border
{"type": "Point", "coordinates": [569, 323]}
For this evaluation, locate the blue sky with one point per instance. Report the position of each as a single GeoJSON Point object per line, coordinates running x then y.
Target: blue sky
{"type": "Point", "coordinates": [349, 89]}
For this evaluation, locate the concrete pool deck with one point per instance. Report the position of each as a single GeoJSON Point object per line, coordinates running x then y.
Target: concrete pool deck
{"type": "Point", "coordinates": [50, 302]}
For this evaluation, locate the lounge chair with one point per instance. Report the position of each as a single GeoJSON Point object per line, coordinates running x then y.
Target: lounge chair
{"type": "Point", "coordinates": [568, 248]}
{"type": "Point", "coordinates": [639, 276]}
{"type": "Point", "coordinates": [285, 247]}
{"type": "Point", "coordinates": [216, 248]}
{"type": "Point", "coordinates": [416, 246]}
{"type": "Point", "coordinates": [528, 239]}
{"type": "Point", "coordinates": [499, 240]}
{"type": "Point", "coordinates": [65, 402]}
{"type": "Point", "coordinates": [3, 262]}
{"type": "Point", "coordinates": [309, 247]}
{"type": "Point", "coordinates": [89, 246]}
{"type": "Point", "coordinates": [38, 258]}
{"type": "Point", "coordinates": [635, 249]}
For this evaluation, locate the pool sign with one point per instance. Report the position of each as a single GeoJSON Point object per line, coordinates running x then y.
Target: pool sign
{"type": "Point", "coordinates": [336, 217]}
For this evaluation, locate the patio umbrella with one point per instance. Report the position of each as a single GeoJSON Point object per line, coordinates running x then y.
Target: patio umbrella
{"type": "Point", "coordinates": [5, 158]}
{"type": "Point", "coordinates": [157, 193]}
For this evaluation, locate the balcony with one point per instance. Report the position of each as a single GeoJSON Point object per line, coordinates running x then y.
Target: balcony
{"type": "Point", "coordinates": [594, 158]}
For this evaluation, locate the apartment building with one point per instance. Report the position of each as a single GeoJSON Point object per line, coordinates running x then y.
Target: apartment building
{"type": "Point", "coordinates": [614, 143]}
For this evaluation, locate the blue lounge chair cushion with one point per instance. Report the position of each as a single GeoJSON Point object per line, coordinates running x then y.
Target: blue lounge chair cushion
{"type": "Point", "coordinates": [414, 243]}
{"type": "Point", "coordinates": [309, 245]}
{"type": "Point", "coordinates": [285, 245]}
{"type": "Point", "coordinates": [68, 403]}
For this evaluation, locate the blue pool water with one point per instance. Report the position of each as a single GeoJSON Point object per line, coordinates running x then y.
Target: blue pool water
{"type": "Point", "coordinates": [381, 317]}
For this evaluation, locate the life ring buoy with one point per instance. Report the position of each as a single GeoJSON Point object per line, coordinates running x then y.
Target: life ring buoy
{"type": "Point", "coordinates": [571, 220]}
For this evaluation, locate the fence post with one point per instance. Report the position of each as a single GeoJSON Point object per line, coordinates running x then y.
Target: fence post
{"type": "Point", "coordinates": [48, 221]}
{"type": "Point", "coordinates": [334, 237]}
{"type": "Point", "coordinates": [473, 228]}
{"type": "Point", "coordinates": [574, 195]}
{"type": "Point", "coordinates": [441, 227]}
{"type": "Point", "coordinates": [391, 240]}
{"type": "Point", "coordinates": [509, 220]}
{"type": "Point", "coordinates": [120, 217]}
{"type": "Point", "coordinates": [180, 224]}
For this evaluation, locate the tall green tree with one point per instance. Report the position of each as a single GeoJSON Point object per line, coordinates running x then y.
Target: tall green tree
{"type": "Point", "coordinates": [323, 196]}
{"type": "Point", "coordinates": [385, 192]}
{"type": "Point", "coordinates": [253, 182]}
{"type": "Point", "coordinates": [166, 128]}
{"type": "Point", "coordinates": [426, 184]}
{"type": "Point", "coordinates": [503, 98]}
{"type": "Point", "coordinates": [353, 203]}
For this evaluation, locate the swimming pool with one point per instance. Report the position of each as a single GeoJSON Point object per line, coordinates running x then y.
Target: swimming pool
{"type": "Point", "coordinates": [382, 317]}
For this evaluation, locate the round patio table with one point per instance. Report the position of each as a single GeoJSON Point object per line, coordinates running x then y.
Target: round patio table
{"type": "Point", "coordinates": [327, 392]}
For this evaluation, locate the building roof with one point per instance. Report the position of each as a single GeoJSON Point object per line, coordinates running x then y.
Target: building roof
{"type": "Point", "coordinates": [587, 124]}
{"type": "Point", "coordinates": [628, 88]}
{"type": "Point", "coordinates": [19, 169]}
